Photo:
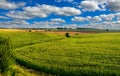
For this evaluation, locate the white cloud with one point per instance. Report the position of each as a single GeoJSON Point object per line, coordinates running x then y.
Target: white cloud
{"type": "Point", "coordinates": [101, 18]}
{"type": "Point", "coordinates": [118, 22]}
{"type": "Point", "coordinates": [20, 22]}
{"type": "Point", "coordinates": [93, 5]}
{"type": "Point", "coordinates": [64, 1]}
{"type": "Point", "coordinates": [58, 0]}
{"type": "Point", "coordinates": [19, 15]}
{"type": "Point", "coordinates": [40, 11]}
{"type": "Point", "coordinates": [89, 6]}
{"type": "Point", "coordinates": [15, 24]}
{"type": "Point", "coordinates": [53, 23]}
{"type": "Point", "coordinates": [104, 21]}
{"type": "Point", "coordinates": [68, 11]}
{"type": "Point", "coordinates": [117, 14]}
{"type": "Point", "coordinates": [3, 17]}
{"type": "Point", "coordinates": [102, 5]}
{"type": "Point", "coordinates": [45, 24]}
{"type": "Point", "coordinates": [96, 19]}
{"type": "Point", "coordinates": [58, 20]}
{"type": "Point", "coordinates": [113, 5]}
{"type": "Point", "coordinates": [21, 4]}
{"type": "Point", "coordinates": [78, 19]}
{"type": "Point", "coordinates": [107, 25]}
{"type": "Point", "coordinates": [88, 18]}
{"type": "Point", "coordinates": [70, 0]}
{"type": "Point", "coordinates": [43, 11]}
{"type": "Point", "coordinates": [10, 5]}
{"type": "Point", "coordinates": [108, 17]}
{"type": "Point", "coordinates": [73, 26]}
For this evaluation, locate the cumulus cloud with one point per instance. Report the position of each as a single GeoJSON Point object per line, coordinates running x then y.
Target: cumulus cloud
{"type": "Point", "coordinates": [64, 1]}
{"type": "Point", "coordinates": [40, 11]}
{"type": "Point", "coordinates": [88, 18]}
{"type": "Point", "coordinates": [58, 20]}
{"type": "Point", "coordinates": [103, 21]}
{"type": "Point", "coordinates": [3, 17]}
{"type": "Point", "coordinates": [108, 17]}
{"type": "Point", "coordinates": [100, 18]}
{"type": "Point", "coordinates": [89, 6]}
{"type": "Point", "coordinates": [49, 23]}
{"type": "Point", "coordinates": [70, 0]}
{"type": "Point", "coordinates": [78, 19]}
{"type": "Point", "coordinates": [113, 5]}
{"type": "Point", "coordinates": [96, 19]}
{"type": "Point", "coordinates": [21, 22]}
{"type": "Point", "coordinates": [46, 24]}
{"type": "Point", "coordinates": [43, 11]}
{"type": "Point", "coordinates": [10, 5]}
{"type": "Point", "coordinates": [68, 11]}
{"type": "Point", "coordinates": [52, 23]}
{"type": "Point", "coordinates": [102, 5]}
{"type": "Point", "coordinates": [14, 22]}
{"type": "Point", "coordinates": [73, 26]}
{"type": "Point", "coordinates": [7, 5]}
{"type": "Point", "coordinates": [21, 4]}
{"type": "Point", "coordinates": [58, 0]}
{"type": "Point", "coordinates": [107, 25]}
{"type": "Point", "coordinates": [19, 15]}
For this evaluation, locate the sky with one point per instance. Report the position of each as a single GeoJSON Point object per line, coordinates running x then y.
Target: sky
{"type": "Point", "coordinates": [101, 14]}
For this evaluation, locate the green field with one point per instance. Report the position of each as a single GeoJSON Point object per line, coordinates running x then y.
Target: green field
{"type": "Point", "coordinates": [80, 55]}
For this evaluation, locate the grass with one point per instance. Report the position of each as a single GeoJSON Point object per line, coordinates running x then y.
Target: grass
{"type": "Point", "coordinates": [5, 55]}
{"type": "Point", "coordinates": [21, 39]}
{"type": "Point", "coordinates": [79, 55]}
{"type": "Point", "coordinates": [18, 70]}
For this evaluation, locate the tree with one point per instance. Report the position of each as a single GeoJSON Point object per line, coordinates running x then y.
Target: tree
{"type": "Point", "coordinates": [67, 35]}
{"type": "Point", "coordinates": [107, 29]}
{"type": "Point", "coordinates": [29, 30]}
{"type": "Point", "coordinates": [76, 33]}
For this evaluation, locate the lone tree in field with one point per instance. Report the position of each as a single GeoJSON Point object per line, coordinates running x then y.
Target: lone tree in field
{"type": "Point", "coordinates": [76, 33]}
{"type": "Point", "coordinates": [67, 35]}
{"type": "Point", "coordinates": [107, 29]}
{"type": "Point", "coordinates": [29, 30]}
{"type": "Point", "coordinates": [5, 54]}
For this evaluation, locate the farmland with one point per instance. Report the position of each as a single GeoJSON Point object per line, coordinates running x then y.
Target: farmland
{"type": "Point", "coordinates": [87, 54]}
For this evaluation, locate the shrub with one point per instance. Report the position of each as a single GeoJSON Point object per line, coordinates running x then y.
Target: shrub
{"type": "Point", "coordinates": [67, 35]}
{"type": "Point", "coordinates": [29, 30]}
{"type": "Point", "coordinates": [5, 54]}
{"type": "Point", "coordinates": [107, 29]}
{"type": "Point", "coordinates": [76, 33]}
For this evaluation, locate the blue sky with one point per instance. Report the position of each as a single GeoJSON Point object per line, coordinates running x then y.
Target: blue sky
{"type": "Point", "coordinates": [102, 14]}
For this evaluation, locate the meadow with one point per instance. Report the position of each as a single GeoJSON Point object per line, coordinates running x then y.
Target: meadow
{"type": "Point", "coordinates": [95, 54]}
